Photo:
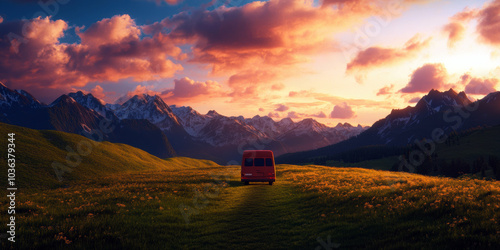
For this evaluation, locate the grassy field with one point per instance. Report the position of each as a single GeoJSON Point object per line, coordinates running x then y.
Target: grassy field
{"type": "Point", "coordinates": [182, 203]}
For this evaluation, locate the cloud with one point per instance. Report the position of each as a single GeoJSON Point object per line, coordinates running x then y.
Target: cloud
{"type": "Point", "coordinates": [488, 25]}
{"type": "Point", "coordinates": [281, 108]}
{"type": "Point", "coordinates": [110, 50]}
{"type": "Point", "coordinates": [455, 29]}
{"type": "Point", "coordinates": [253, 82]}
{"type": "Point", "coordinates": [170, 2]}
{"type": "Point", "coordinates": [261, 109]}
{"type": "Point", "coordinates": [140, 90]}
{"type": "Point", "coordinates": [321, 114]}
{"type": "Point", "coordinates": [378, 56]}
{"type": "Point", "coordinates": [342, 111]}
{"type": "Point", "coordinates": [479, 86]}
{"type": "Point", "coordinates": [336, 99]}
{"type": "Point", "coordinates": [425, 78]}
{"type": "Point", "coordinates": [414, 100]}
{"type": "Point", "coordinates": [386, 90]}
{"type": "Point", "coordinates": [297, 115]}
{"type": "Point", "coordinates": [260, 35]}
{"type": "Point", "coordinates": [1, 19]}
{"type": "Point", "coordinates": [274, 115]}
{"type": "Point", "coordinates": [278, 86]}
{"type": "Point", "coordinates": [98, 92]}
{"type": "Point", "coordinates": [186, 89]}
{"type": "Point", "coordinates": [294, 115]}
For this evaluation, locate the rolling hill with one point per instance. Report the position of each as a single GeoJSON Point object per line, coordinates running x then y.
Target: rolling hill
{"type": "Point", "coordinates": [37, 150]}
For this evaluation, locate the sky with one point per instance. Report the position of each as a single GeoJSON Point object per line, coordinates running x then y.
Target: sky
{"type": "Point", "coordinates": [331, 60]}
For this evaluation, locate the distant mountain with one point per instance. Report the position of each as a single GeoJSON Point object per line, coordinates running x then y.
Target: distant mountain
{"type": "Point", "coordinates": [309, 133]}
{"type": "Point", "coordinates": [81, 114]}
{"type": "Point", "coordinates": [448, 111]}
{"type": "Point", "coordinates": [93, 103]}
{"type": "Point", "coordinates": [147, 122]}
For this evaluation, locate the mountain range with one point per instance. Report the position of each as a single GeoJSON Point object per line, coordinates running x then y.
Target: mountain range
{"type": "Point", "coordinates": [148, 123]}
{"type": "Point", "coordinates": [435, 113]}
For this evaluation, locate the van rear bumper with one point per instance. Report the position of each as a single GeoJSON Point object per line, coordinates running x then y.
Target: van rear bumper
{"type": "Point", "coordinates": [258, 180]}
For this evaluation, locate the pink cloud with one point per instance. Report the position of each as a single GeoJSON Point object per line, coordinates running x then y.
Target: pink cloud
{"type": "Point", "coordinates": [98, 92]}
{"type": "Point", "coordinates": [386, 90]}
{"type": "Point", "coordinates": [414, 100]}
{"type": "Point", "coordinates": [140, 89]}
{"type": "Point", "coordinates": [342, 111]}
{"type": "Point", "coordinates": [281, 108]}
{"type": "Point", "coordinates": [479, 86]}
{"type": "Point", "coordinates": [294, 115]}
{"type": "Point", "coordinates": [321, 114]}
{"type": "Point", "coordinates": [489, 23]}
{"type": "Point", "coordinates": [456, 28]}
{"type": "Point", "coordinates": [274, 115]}
{"type": "Point", "coordinates": [111, 50]}
{"type": "Point", "coordinates": [425, 78]}
{"type": "Point", "coordinates": [377, 56]}
{"type": "Point", "coordinates": [186, 89]}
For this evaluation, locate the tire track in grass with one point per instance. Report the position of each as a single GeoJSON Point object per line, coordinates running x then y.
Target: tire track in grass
{"type": "Point", "coordinates": [259, 216]}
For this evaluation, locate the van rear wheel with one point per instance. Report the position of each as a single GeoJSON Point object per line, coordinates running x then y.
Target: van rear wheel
{"type": "Point", "coordinates": [270, 183]}
{"type": "Point", "coordinates": [246, 182]}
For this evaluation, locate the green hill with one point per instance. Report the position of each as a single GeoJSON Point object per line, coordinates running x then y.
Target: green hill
{"type": "Point", "coordinates": [37, 150]}
{"type": "Point", "coordinates": [120, 197]}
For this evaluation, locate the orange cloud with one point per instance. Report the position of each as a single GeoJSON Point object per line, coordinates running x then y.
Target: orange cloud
{"type": "Point", "coordinates": [489, 23]}
{"type": "Point", "coordinates": [252, 82]}
{"type": "Point", "coordinates": [386, 90]}
{"type": "Point", "coordinates": [377, 56]}
{"type": "Point", "coordinates": [336, 99]}
{"type": "Point", "coordinates": [140, 90]}
{"type": "Point", "coordinates": [187, 90]}
{"type": "Point", "coordinates": [98, 92]}
{"type": "Point", "coordinates": [456, 28]}
{"type": "Point", "coordinates": [240, 41]}
{"type": "Point", "coordinates": [110, 50]}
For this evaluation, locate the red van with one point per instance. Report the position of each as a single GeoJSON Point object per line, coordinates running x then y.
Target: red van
{"type": "Point", "coordinates": [258, 166]}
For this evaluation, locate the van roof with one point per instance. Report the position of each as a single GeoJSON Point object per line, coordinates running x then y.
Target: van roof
{"type": "Point", "coordinates": [258, 153]}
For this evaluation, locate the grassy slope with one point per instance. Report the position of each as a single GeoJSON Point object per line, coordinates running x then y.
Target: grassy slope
{"type": "Point", "coordinates": [479, 143]}
{"type": "Point", "coordinates": [351, 206]}
{"type": "Point", "coordinates": [37, 150]}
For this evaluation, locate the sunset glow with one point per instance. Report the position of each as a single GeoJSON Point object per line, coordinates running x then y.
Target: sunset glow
{"type": "Point", "coordinates": [334, 61]}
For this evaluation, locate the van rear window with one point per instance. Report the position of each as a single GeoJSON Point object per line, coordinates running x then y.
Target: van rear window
{"type": "Point", "coordinates": [248, 162]}
{"type": "Point", "coordinates": [269, 162]}
{"type": "Point", "coordinates": [259, 162]}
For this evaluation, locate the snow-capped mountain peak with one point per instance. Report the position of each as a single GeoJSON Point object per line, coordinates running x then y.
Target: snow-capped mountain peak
{"type": "Point", "coordinates": [91, 102]}
{"type": "Point", "coordinates": [17, 98]}
{"type": "Point", "coordinates": [151, 108]}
